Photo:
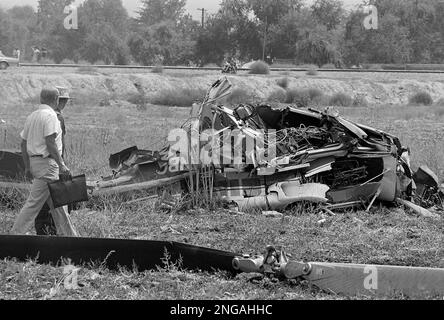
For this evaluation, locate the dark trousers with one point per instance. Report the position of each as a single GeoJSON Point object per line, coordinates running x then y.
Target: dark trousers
{"type": "Point", "coordinates": [44, 224]}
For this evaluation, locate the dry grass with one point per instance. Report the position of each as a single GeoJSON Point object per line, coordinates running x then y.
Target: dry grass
{"type": "Point", "coordinates": [341, 100]}
{"type": "Point", "coordinates": [87, 70]}
{"type": "Point", "coordinates": [178, 97]}
{"type": "Point", "coordinates": [381, 237]}
{"type": "Point", "coordinates": [240, 95]}
{"type": "Point", "coordinates": [278, 95]}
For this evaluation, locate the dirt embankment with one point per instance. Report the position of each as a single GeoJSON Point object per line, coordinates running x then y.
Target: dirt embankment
{"type": "Point", "coordinates": [18, 87]}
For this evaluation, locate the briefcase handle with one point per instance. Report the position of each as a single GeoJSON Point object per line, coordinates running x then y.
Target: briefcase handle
{"type": "Point", "coordinates": [65, 177]}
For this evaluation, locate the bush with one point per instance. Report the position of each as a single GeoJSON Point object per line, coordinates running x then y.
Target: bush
{"type": "Point", "coordinates": [157, 69]}
{"type": "Point", "coordinates": [283, 83]}
{"type": "Point", "coordinates": [279, 95]}
{"type": "Point", "coordinates": [341, 100]}
{"type": "Point", "coordinates": [238, 96]}
{"type": "Point", "coordinates": [421, 98]}
{"type": "Point", "coordinates": [440, 102]}
{"type": "Point", "coordinates": [100, 63]}
{"type": "Point", "coordinates": [178, 97]}
{"type": "Point", "coordinates": [312, 72]}
{"type": "Point", "coordinates": [260, 67]}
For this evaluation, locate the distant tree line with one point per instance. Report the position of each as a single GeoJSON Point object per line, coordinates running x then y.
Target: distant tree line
{"type": "Point", "coordinates": [409, 31]}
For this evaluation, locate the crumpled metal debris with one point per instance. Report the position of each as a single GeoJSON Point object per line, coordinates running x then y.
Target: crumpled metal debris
{"type": "Point", "coordinates": [320, 157]}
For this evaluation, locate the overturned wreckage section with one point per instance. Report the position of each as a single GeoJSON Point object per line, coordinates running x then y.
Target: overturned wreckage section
{"type": "Point", "coordinates": [267, 158]}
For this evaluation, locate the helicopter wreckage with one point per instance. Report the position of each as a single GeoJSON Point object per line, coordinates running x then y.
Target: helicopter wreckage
{"type": "Point", "coordinates": [265, 158]}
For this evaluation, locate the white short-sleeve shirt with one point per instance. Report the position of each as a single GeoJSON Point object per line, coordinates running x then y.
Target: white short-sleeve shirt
{"type": "Point", "coordinates": [40, 124]}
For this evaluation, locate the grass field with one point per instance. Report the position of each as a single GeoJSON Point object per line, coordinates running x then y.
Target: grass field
{"type": "Point", "coordinates": [383, 236]}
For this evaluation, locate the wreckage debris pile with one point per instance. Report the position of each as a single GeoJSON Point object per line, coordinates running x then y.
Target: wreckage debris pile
{"type": "Point", "coordinates": [358, 164]}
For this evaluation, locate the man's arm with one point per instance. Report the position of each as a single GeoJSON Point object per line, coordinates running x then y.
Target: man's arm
{"type": "Point", "coordinates": [25, 156]}
{"type": "Point", "coordinates": [55, 154]}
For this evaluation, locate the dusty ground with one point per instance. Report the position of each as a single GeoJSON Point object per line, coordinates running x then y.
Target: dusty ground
{"type": "Point", "coordinates": [385, 236]}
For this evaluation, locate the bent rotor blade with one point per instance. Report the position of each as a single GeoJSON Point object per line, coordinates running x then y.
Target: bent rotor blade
{"type": "Point", "coordinates": [114, 253]}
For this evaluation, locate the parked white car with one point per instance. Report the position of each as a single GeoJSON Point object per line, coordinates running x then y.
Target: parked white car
{"type": "Point", "coordinates": [6, 62]}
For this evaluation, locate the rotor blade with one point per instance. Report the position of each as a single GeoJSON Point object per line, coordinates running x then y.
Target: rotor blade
{"type": "Point", "coordinates": [114, 253]}
{"type": "Point", "coordinates": [373, 280]}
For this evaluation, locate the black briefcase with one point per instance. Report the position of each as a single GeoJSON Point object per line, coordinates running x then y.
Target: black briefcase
{"type": "Point", "coordinates": [69, 190]}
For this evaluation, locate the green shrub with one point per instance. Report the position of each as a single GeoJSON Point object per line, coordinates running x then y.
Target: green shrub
{"type": "Point", "coordinates": [421, 98]}
{"type": "Point", "coordinates": [178, 97]}
{"type": "Point", "coordinates": [341, 100]}
{"type": "Point", "coordinates": [283, 83]}
{"type": "Point", "coordinates": [260, 67]}
{"type": "Point", "coordinates": [278, 95]}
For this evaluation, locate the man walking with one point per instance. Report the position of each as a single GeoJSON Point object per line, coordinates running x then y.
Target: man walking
{"type": "Point", "coordinates": [44, 223]}
{"type": "Point", "coordinates": [42, 153]}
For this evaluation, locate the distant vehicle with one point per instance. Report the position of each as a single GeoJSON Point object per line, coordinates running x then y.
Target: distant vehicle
{"type": "Point", "coordinates": [6, 62]}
